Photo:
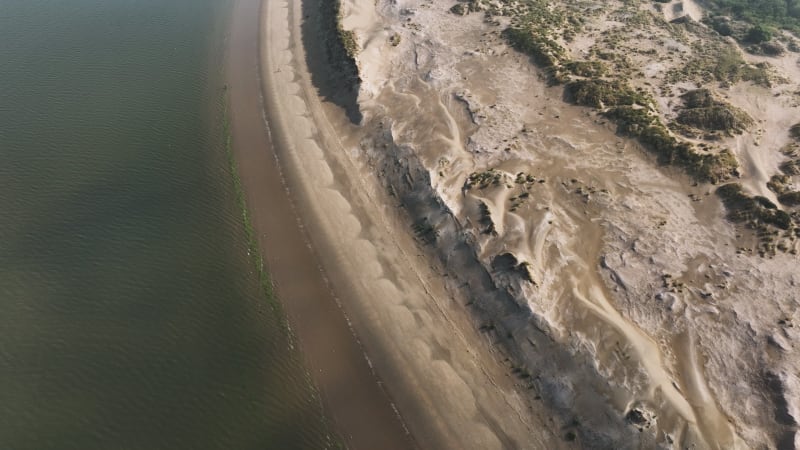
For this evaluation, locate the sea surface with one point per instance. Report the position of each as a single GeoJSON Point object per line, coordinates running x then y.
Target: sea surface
{"type": "Point", "coordinates": [131, 313]}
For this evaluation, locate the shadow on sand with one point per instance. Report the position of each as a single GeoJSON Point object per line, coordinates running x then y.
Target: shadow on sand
{"type": "Point", "coordinates": [333, 72]}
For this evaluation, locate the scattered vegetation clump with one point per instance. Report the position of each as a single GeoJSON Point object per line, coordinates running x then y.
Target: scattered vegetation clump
{"type": "Point", "coordinates": [589, 69]}
{"type": "Point", "coordinates": [756, 212]}
{"type": "Point", "coordinates": [723, 64]}
{"type": "Point", "coordinates": [757, 34]}
{"type": "Point", "coordinates": [536, 28]}
{"type": "Point", "coordinates": [792, 151]}
{"type": "Point", "coordinates": [640, 19]}
{"type": "Point", "coordinates": [782, 186]}
{"type": "Point", "coordinates": [756, 38]}
{"type": "Point", "coordinates": [507, 262]}
{"type": "Point", "coordinates": [601, 94]}
{"type": "Point", "coordinates": [761, 13]}
{"type": "Point", "coordinates": [791, 167]}
{"type": "Point", "coordinates": [523, 178]}
{"type": "Point", "coordinates": [485, 219]}
{"type": "Point", "coordinates": [701, 110]}
{"type": "Point", "coordinates": [643, 124]}
{"type": "Point", "coordinates": [722, 25]}
{"type": "Point", "coordinates": [767, 49]}
{"type": "Point", "coordinates": [346, 37]}
{"type": "Point", "coordinates": [341, 46]}
{"type": "Point", "coordinates": [542, 14]}
{"type": "Point", "coordinates": [698, 98]}
{"type": "Point", "coordinates": [708, 167]}
{"type": "Point", "coordinates": [545, 51]}
{"type": "Point", "coordinates": [791, 198]}
{"type": "Point", "coordinates": [460, 9]}
{"type": "Point", "coordinates": [794, 132]}
{"type": "Point", "coordinates": [484, 179]}
{"type": "Point", "coordinates": [394, 39]}
{"type": "Point", "coordinates": [631, 120]}
{"type": "Point", "coordinates": [778, 183]}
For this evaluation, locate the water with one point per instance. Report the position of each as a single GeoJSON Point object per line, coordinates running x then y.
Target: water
{"type": "Point", "coordinates": [130, 314]}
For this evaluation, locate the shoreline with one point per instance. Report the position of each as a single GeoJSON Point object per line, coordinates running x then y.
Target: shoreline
{"type": "Point", "coordinates": [352, 397]}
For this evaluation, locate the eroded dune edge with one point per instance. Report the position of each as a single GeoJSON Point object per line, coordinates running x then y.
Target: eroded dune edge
{"type": "Point", "coordinates": [522, 276]}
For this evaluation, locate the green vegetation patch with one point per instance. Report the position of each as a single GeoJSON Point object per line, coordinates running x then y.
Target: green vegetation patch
{"type": "Point", "coordinates": [341, 45]}
{"type": "Point", "coordinates": [483, 179]}
{"type": "Point", "coordinates": [721, 63]}
{"type": "Point", "coordinates": [791, 167]}
{"type": "Point", "coordinates": [643, 124]}
{"type": "Point", "coordinates": [782, 186]}
{"type": "Point", "coordinates": [703, 111]}
{"type": "Point", "coordinates": [348, 39]}
{"type": "Point", "coordinates": [589, 69]}
{"type": "Point", "coordinates": [778, 183]}
{"type": "Point", "coordinates": [601, 94]}
{"type": "Point", "coordinates": [791, 198]}
{"type": "Point", "coordinates": [754, 211]}
{"type": "Point", "coordinates": [715, 118]}
{"type": "Point", "coordinates": [544, 50]}
{"type": "Point", "coordinates": [541, 27]}
{"type": "Point", "coordinates": [632, 121]}
{"type": "Point", "coordinates": [794, 132]}
{"type": "Point", "coordinates": [537, 26]}
{"type": "Point", "coordinates": [460, 9]}
{"type": "Point", "coordinates": [253, 248]}
{"type": "Point", "coordinates": [698, 98]}
{"type": "Point", "coordinates": [765, 13]}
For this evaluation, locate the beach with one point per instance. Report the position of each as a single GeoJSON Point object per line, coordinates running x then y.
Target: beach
{"type": "Point", "coordinates": [507, 270]}
{"type": "Point", "coordinates": [356, 267]}
{"type": "Point", "coordinates": [351, 394]}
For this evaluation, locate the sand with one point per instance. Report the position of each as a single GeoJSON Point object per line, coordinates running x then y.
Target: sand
{"type": "Point", "coordinates": [450, 387]}
{"type": "Point", "coordinates": [635, 321]}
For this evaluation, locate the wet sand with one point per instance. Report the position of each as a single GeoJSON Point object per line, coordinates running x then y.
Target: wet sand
{"type": "Point", "coordinates": [351, 394]}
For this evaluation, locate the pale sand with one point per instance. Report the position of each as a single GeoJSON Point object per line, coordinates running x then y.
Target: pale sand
{"type": "Point", "coordinates": [450, 388]}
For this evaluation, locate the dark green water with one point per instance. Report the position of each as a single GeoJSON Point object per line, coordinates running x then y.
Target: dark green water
{"type": "Point", "coordinates": [130, 313]}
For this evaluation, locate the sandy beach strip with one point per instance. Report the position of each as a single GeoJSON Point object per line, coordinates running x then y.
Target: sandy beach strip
{"type": "Point", "coordinates": [352, 397]}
